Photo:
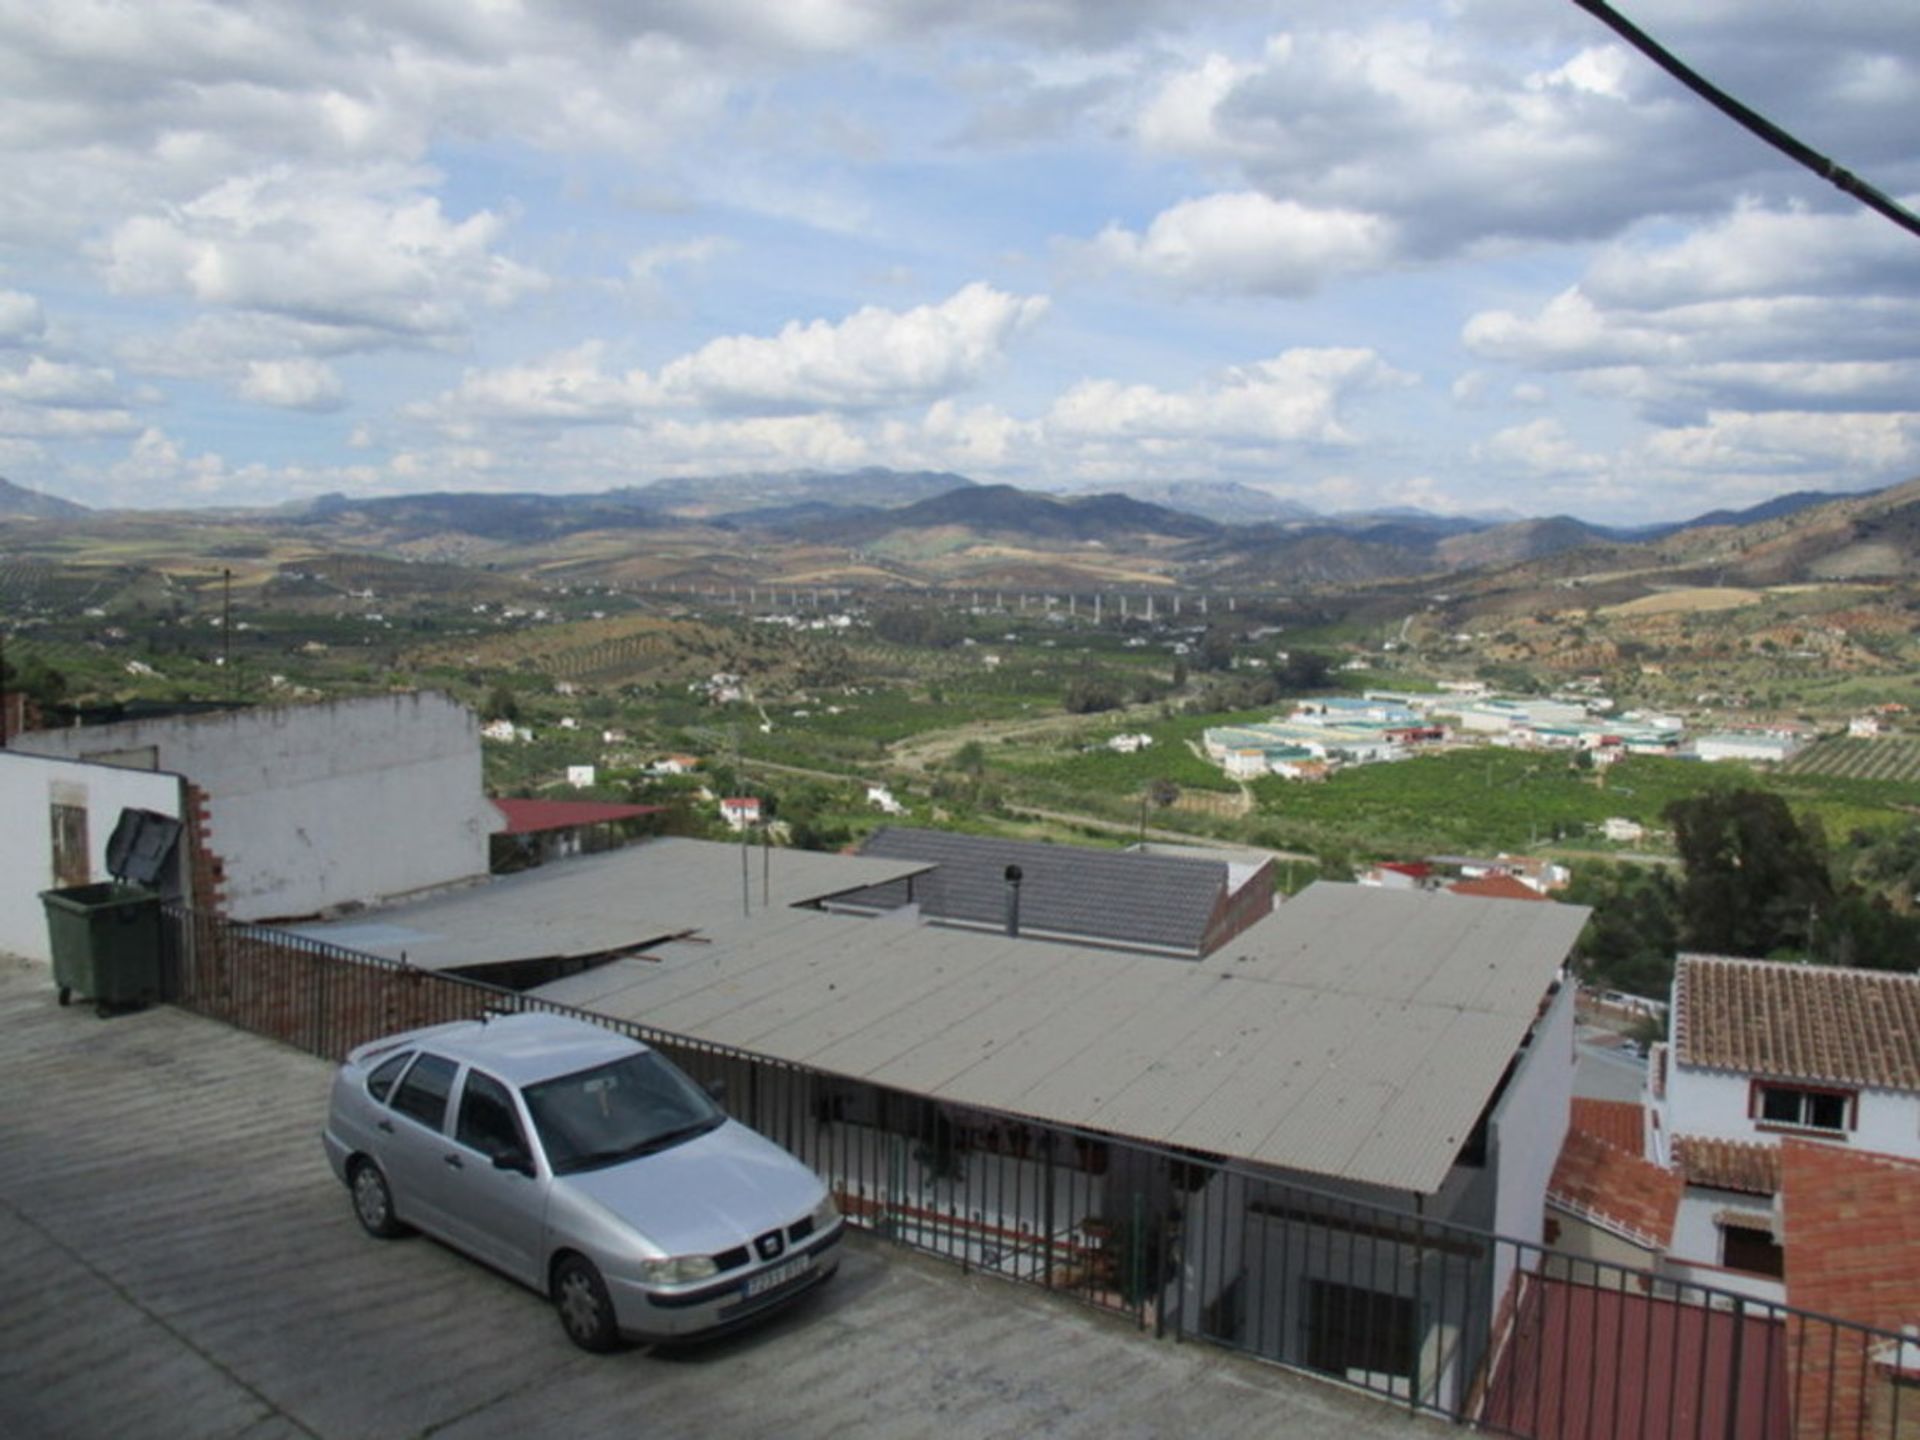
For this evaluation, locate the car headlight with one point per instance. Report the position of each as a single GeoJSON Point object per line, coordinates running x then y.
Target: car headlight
{"type": "Point", "coordinates": [826, 1212]}
{"type": "Point", "coordinates": [678, 1269]}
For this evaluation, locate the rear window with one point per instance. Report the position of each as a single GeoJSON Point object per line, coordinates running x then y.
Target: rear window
{"type": "Point", "coordinates": [380, 1082]}
{"type": "Point", "coordinates": [423, 1094]}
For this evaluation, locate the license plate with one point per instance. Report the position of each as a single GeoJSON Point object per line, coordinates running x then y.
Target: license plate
{"type": "Point", "coordinates": [779, 1275]}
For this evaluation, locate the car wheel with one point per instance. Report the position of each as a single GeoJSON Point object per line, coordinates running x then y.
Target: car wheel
{"type": "Point", "coordinates": [373, 1201]}
{"type": "Point", "coordinates": [585, 1309]}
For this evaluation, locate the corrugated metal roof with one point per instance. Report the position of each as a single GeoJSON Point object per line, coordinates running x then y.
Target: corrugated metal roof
{"type": "Point", "coordinates": [1066, 892]}
{"type": "Point", "coordinates": [589, 905]}
{"type": "Point", "coordinates": [1355, 1032]}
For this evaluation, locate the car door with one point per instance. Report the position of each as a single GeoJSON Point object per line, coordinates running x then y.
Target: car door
{"type": "Point", "coordinates": [414, 1130]}
{"type": "Point", "coordinates": [495, 1211]}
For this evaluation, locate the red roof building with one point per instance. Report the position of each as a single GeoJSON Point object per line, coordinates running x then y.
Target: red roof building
{"type": "Point", "coordinates": [535, 817]}
{"type": "Point", "coordinates": [537, 831]}
{"type": "Point", "coordinates": [1496, 887]}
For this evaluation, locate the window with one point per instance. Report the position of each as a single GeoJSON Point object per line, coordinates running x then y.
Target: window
{"type": "Point", "coordinates": [423, 1094]}
{"type": "Point", "coordinates": [380, 1082]}
{"type": "Point", "coordinates": [1753, 1250]}
{"type": "Point", "coordinates": [1803, 1109]}
{"type": "Point", "coordinates": [487, 1122]}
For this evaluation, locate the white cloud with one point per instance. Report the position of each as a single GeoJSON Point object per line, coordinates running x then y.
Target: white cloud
{"type": "Point", "coordinates": [1459, 135]}
{"type": "Point", "coordinates": [1294, 398]}
{"type": "Point", "coordinates": [569, 387]}
{"type": "Point", "coordinates": [873, 358]}
{"type": "Point", "coordinates": [1791, 443]}
{"type": "Point", "coordinates": [294, 384]}
{"type": "Point", "coordinates": [1246, 242]}
{"type": "Point", "coordinates": [325, 250]}
{"type": "Point", "coordinates": [58, 385]}
{"type": "Point", "coordinates": [21, 319]}
{"type": "Point", "coordinates": [1540, 447]}
{"type": "Point", "coordinates": [645, 265]}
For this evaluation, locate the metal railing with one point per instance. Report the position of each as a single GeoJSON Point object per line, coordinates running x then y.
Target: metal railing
{"type": "Point", "coordinates": [1444, 1319]}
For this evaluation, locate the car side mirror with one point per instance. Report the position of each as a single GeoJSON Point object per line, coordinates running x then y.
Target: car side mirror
{"type": "Point", "coordinates": [516, 1160]}
{"type": "Point", "coordinates": [716, 1089]}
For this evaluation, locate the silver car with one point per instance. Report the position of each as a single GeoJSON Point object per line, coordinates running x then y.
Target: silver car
{"type": "Point", "coordinates": [585, 1165]}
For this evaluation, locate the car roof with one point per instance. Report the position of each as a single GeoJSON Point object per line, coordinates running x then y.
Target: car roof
{"type": "Point", "coordinates": [520, 1049]}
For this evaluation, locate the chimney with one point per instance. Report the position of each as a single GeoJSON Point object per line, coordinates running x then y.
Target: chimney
{"type": "Point", "coordinates": [1013, 899]}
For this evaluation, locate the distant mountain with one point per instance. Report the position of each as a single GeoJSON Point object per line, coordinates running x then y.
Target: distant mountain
{"type": "Point", "coordinates": [741, 496]}
{"type": "Point", "coordinates": [509, 517]}
{"type": "Point", "coordinates": [1777, 508]}
{"type": "Point", "coordinates": [18, 501]}
{"type": "Point", "coordinates": [1522, 540]}
{"type": "Point", "coordinates": [1225, 502]}
{"type": "Point", "coordinates": [1005, 510]}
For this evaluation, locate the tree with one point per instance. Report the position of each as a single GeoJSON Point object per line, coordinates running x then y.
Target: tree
{"type": "Point", "coordinates": [1631, 939]}
{"type": "Point", "coordinates": [971, 759]}
{"type": "Point", "coordinates": [1087, 694]}
{"type": "Point", "coordinates": [1216, 648]}
{"type": "Point", "coordinates": [502, 704]}
{"type": "Point", "coordinates": [1299, 671]}
{"type": "Point", "coordinates": [1754, 879]}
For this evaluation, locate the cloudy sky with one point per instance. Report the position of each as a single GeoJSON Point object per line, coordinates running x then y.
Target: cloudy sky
{"type": "Point", "coordinates": [1471, 256]}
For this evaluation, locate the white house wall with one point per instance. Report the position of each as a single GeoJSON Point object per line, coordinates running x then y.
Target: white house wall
{"type": "Point", "coordinates": [30, 785]}
{"type": "Point", "coordinates": [1529, 1124]}
{"type": "Point", "coordinates": [1526, 1131]}
{"type": "Point", "coordinates": [1714, 1103]}
{"type": "Point", "coordinates": [313, 806]}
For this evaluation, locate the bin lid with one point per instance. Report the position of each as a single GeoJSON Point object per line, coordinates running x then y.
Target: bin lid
{"type": "Point", "coordinates": [141, 846]}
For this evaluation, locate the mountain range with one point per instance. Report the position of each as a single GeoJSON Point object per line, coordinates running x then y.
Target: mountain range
{"type": "Point", "coordinates": [939, 526]}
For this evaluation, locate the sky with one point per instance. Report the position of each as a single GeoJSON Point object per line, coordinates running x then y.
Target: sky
{"type": "Point", "coordinates": [1475, 257]}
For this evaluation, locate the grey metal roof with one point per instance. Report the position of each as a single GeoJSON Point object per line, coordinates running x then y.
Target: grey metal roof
{"type": "Point", "coordinates": [1355, 1032]}
{"type": "Point", "coordinates": [590, 905]}
{"type": "Point", "coordinates": [1066, 892]}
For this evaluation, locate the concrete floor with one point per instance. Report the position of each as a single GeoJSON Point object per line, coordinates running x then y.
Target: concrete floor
{"type": "Point", "coordinates": [180, 1262]}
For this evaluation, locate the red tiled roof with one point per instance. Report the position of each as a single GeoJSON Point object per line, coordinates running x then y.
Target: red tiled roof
{"type": "Point", "coordinates": [1496, 887]}
{"type": "Point", "coordinates": [1853, 1252]}
{"type": "Point", "coordinates": [1727, 1164]}
{"type": "Point", "coordinates": [1412, 868]}
{"type": "Point", "coordinates": [530, 817]}
{"type": "Point", "coordinates": [1620, 1123]}
{"type": "Point", "coordinates": [1798, 1022]}
{"type": "Point", "coordinates": [1616, 1190]}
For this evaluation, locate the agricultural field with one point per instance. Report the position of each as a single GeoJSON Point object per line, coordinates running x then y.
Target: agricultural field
{"type": "Point", "coordinates": [1884, 758]}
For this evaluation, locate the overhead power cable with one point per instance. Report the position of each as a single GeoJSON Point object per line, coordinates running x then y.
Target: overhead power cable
{"type": "Point", "coordinates": [1836, 175]}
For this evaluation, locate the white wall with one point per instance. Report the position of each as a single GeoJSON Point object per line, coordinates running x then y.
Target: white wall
{"type": "Point", "coordinates": [313, 806]}
{"type": "Point", "coordinates": [30, 785]}
{"type": "Point", "coordinates": [1530, 1123]}
{"type": "Point", "coordinates": [1714, 1103]}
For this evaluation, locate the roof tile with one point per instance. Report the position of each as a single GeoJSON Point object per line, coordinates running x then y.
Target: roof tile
{"type": "Point", "coordinates": [1621, 1123]}
{"type": "Point", "coordinates": [1615, 1189]}
{"type": "Point", "coordinates": [1751, 1169]}
{"type": "Point", "coordinates": [1798, 1022]}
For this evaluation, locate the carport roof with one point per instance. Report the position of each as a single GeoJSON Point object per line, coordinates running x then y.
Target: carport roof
{"type": "Point", "coordinates": [1355, 1032]}
{"type": "Point", "coordinates": [598, 904]}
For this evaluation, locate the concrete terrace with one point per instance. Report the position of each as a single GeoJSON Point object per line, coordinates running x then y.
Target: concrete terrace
{"type": "Point", "coordinates": [181, 1263]}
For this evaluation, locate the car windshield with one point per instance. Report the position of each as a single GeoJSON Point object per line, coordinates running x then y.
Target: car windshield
{"type": "Point", "coordinates": [619, 1111]}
